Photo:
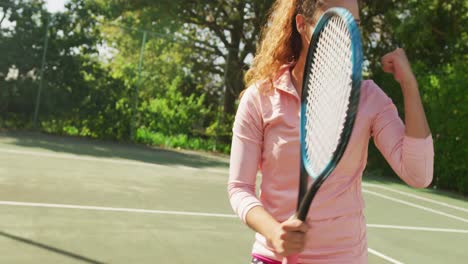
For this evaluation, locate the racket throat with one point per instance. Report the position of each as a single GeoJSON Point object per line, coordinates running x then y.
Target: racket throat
{"type": "Point", "coordinates": [303, 183]}
{"type": "Point", "coordinates": [304, 206]}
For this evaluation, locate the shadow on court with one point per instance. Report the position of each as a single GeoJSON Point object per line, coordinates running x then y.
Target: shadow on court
{"type": "Point", "coordinates": [103, 149]}
{"type": "Point", "coordinates": [50, 248]}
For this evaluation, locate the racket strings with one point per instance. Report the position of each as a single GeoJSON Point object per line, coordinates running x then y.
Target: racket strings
{"type": "Point", "coordinates": [328, 94]}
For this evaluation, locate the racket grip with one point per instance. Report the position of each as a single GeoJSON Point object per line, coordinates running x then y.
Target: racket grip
{"type": "Point", "coordinates": [293, 259]}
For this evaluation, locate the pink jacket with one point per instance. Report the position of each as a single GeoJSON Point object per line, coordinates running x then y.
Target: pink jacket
{"type": "Point", "coordinates": [266, 138]}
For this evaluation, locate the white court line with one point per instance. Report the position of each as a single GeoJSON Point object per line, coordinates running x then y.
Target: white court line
{"type": "Point", "coordinates": [417, 206]}
{"type": "Point", "coordinates": [416, 197]}
{"type": "Point", "coordinates": [416, 228]}
{"type": "Point", "coordinates": [387, 258]}
{"type": "Point", "coordinates": [99, 208]}
{"type": "Point", "coordinates": [114, 209]}
{"type": "Point", "coordinates": [106, 160]}
{"type": "Point", "coordinates": [132, 210]}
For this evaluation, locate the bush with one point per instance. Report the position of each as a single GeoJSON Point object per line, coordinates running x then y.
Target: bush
{"type": "Point", "coordinates": [446, 100]}
{"type": "Point", "coordinates": [146, 136]}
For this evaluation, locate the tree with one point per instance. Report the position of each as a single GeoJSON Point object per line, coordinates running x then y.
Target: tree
{"type": "Point", "coordinates": [75, 81]}
{"type": "Point", "coordinates": [223, 33]}
{"type": "Point", "coordinates": [21, 34]}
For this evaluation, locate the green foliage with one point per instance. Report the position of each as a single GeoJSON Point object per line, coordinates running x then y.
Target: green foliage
{"type": "Point", "coordinates": [146, 136]}
{"type": "Point", "coordinates": [446, 100]}
{"type": "Point", "coordinates": [173, 112]}
{"type": "Point", "coordinates": [219, 35]}
{"type": "Point", "coordinates": [24, 46]}
{"type": "Point", "coordinates": [221, 127]}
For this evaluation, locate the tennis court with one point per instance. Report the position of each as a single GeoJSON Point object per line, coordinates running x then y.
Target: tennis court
{"type": "Point", "coordinates": [69, 200]}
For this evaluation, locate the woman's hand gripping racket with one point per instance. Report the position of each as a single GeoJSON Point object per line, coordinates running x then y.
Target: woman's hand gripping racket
{"type": "Point", "coordinates": [329, 101]}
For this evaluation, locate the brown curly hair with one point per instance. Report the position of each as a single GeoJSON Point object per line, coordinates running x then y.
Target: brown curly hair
{"type": "Point", "coordinates": [280, 42]}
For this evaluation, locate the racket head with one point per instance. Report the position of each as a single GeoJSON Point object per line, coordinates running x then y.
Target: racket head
{"type": "Point", "coordinates": [330, 93]}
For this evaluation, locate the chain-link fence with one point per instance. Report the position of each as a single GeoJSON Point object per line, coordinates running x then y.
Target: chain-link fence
{"type": "Point", "coordinates": [78, 74]}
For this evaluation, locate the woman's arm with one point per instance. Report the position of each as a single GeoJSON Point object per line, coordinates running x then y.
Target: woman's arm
{"type": "Point", "coordinates": [408, 146]}
{"type": "Point", "coordinates": [397, 64]}
{"type": "Point", "coordinates": [284, 238]}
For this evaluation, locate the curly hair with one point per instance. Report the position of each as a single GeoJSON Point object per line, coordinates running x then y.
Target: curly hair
{"type": "Point", "coordinates": [280, 42]}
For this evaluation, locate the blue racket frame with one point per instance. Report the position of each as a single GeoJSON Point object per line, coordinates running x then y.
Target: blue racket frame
{"type": "Point", "coordinates": [305, 197]}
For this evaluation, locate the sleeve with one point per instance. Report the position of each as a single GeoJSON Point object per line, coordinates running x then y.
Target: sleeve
{"type": "Point", "coordinates": [245, 155]}
{"type": "Point", "coordinates": [412, 159]}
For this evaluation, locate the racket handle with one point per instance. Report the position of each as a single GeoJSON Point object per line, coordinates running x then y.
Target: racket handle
{"type": "Point", "coordinates": [293, 259]}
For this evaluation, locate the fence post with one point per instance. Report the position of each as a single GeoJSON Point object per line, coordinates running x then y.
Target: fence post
{"type": "Point", "coordinates": [137, 88]}
{"type": "Point", "coordinates": [41, 81]}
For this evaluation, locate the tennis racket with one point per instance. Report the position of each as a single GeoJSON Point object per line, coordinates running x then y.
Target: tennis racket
{"type": "Point", "coordinates": [329, 101]}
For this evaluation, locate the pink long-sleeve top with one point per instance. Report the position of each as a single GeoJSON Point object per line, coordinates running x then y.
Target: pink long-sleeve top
{"type": "Point", "coordinates": [266, 138]}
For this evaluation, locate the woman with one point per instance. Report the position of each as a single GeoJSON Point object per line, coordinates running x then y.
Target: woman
{"type": "Point", "coordinates": [266, 137]}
